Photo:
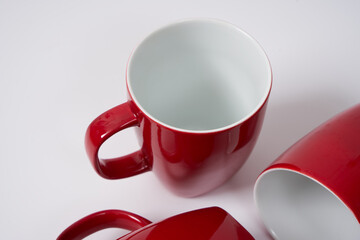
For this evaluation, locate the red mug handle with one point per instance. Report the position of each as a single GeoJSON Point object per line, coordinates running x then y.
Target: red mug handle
{"type": "Point", "coordinates": [102, 220]}
{"type": "Point", "coordinates": [103, 127]}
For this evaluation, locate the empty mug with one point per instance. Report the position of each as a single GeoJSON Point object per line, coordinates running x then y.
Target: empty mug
{"type": "Point", "coordinates": [197, 94]}
{"type": "Point", "coordinates": [204, 224]}
{"type": "Point", "coordinates": [312, 191]}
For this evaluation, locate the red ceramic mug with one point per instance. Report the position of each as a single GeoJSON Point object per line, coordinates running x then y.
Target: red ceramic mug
{"type": "Point", "coordinates": [204, 224]}
{"type": "Point", "coordinates": [197, 97]}
{"type": "Point", "coordinates": [312, 191]}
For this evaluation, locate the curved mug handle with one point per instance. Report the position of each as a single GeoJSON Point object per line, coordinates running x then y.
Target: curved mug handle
{"type": "Point", "coordinates": [103, 127]}
{"type": "Point", "coordinates": [102, 220]}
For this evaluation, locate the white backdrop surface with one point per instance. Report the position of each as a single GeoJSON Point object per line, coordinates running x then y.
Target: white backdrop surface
{"type": "Point", "coordinates": [62, 63]}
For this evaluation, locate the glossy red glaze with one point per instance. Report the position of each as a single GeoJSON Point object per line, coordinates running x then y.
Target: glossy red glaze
{"type": "Point", "coordinates": [102, 220]}
{"type": "Point", "coordinates": [189, 164]}
{"type": "Point", "coordinates": [330, 154]}
{"type": "Point", "coordinates": [103, 127]}
{"type": "Point", "coordinates": [204, 224]}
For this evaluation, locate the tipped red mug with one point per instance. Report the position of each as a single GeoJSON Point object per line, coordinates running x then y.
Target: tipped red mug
{"type": "Point", "coordinates": [197, 94]}
{"type": "Point", "coordinates": [312, 191]}
{"type": "Point", "coordinates": [204, 224]}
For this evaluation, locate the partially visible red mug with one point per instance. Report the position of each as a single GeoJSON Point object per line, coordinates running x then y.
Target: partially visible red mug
{"type": "Point", "coordinates": [312, 191]}
{"type": "Point", "coordinates": [197, 96]}
{"type": "Point", "coordinates": [204, 224]}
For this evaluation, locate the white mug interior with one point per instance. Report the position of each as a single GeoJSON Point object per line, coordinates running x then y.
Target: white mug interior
{"type": "Point", "coordinates": [297, 207]}
{"type": "Point", "coordinates": [199, 75]}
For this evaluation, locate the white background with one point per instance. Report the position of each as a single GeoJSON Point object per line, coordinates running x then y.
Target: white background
{"type": "Point", "coordinates": [62, 63]}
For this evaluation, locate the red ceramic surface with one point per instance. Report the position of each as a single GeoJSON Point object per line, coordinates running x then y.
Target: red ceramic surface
{"type": "Point", "coordinates": [327, 160]}
{"type": "Point", "coordinates": [331, 155]}
{"type": "Point", "coordinates": [204, 224]}
{"type": "Point", "coordinates": [188, 162]}
{"type": "Point", "coordinates": [102, 220]}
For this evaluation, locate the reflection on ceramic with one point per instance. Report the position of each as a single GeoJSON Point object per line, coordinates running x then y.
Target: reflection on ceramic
{"type": "Point", "coordinates": [197, 97]}
{"type": "Point", "coordinates": [314, 187]}
{"type": "Point", "coordinates": [204, 224]}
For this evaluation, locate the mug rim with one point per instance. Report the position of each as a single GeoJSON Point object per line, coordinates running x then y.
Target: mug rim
{"type": "Point", "coordinates": [221, 129]}
{"type": "Point", "coordinates": [303, 174]}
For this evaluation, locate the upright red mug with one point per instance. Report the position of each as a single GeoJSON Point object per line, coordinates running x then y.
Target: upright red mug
{"type": "Point", "coordinates": [197, 96]}
{"type": "Point", "coordinates": [204, 224]}
{"type": "Point", "coordinates": [312, 191]}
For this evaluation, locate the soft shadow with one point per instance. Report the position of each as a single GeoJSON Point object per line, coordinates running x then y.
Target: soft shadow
{"type": "Point", "coordinates": [285, 123]}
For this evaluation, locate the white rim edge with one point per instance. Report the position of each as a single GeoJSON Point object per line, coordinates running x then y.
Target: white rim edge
{"type": "Point", "coordinates": [258, 46]}
{"type": "Point", "coordinates": [301, 174]}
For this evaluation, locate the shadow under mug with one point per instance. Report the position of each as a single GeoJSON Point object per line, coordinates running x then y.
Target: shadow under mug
{"type": "Point", "coordinates": [197, 96]}
{"type": "Point", "coordinates": [312, 191]}
{"type": "Point", "coordinates": [211, 223]}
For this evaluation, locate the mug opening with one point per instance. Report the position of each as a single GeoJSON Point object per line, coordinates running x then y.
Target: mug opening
{"type": "Point", "coordinates": [296, 206]}
{"type": "Point", "coordinates": [199, 76]}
